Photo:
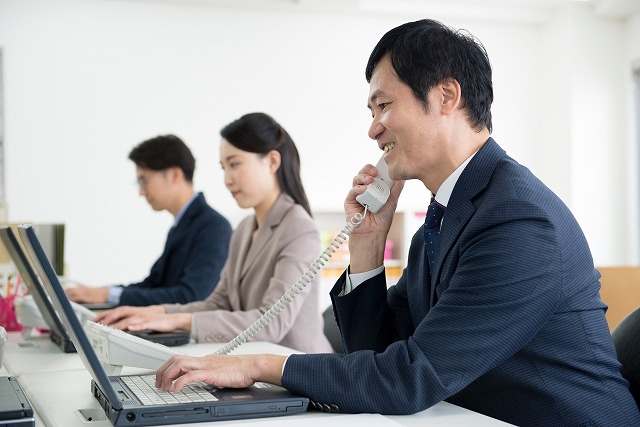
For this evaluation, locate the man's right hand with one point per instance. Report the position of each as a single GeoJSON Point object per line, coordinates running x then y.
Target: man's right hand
{"type": "Point", "coordinates": [367, 241]}
{"type": "Point", "coordinates": [88, 294]}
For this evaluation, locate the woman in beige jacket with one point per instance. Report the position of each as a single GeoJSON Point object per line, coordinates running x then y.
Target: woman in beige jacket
{"type": "Point", "coordinates": [269, 250]}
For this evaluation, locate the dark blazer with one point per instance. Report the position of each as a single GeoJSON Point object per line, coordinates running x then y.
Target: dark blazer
{"type": "Point", "coordinates": [189, 268]}
{"type": "Point", "coordinates": [517, 330]}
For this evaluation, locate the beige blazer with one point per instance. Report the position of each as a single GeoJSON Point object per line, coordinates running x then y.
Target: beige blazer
{"type": "Point", "coordinates": [257, 274]}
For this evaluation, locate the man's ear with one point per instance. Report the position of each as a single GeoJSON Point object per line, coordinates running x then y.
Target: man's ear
{"type": "Point", "coordinates": [176, 174]}
{"type": "Point", "coordinates": [451, 95]}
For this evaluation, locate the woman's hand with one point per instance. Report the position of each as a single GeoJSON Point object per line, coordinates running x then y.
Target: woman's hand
{"type": "Point", "coordinates": [118, 317]}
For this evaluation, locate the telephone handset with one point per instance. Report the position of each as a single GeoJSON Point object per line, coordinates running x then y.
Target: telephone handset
{"type": "Point", "coordinates": [377, 193]}
{"type": "Point", "coordinates": [374, 197]}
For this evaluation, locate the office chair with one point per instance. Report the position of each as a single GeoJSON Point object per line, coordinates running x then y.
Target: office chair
{"type": "Point", "coordinates": [331, 330]}
{"type": "Point", "coordinates": [626, 339]}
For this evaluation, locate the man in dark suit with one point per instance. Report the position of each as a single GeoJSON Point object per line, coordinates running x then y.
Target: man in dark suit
{"type": "Point", "coordinates": [499, 313]}
{"type": "Point", "coordinates": [197, 244]}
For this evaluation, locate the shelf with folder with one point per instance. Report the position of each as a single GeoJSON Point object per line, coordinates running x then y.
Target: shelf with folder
{"type": "Point", "coordinates": [330, 223]}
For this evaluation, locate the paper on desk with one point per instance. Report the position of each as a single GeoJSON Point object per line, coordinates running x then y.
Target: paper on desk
{"type": "Point", "coordinates": [320, 420]}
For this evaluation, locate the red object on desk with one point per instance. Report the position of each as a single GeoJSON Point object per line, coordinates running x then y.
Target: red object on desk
{"type": "Point", "coordinates": [8, 314]}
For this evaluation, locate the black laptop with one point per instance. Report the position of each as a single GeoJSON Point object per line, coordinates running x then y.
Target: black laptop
{"type": "Point", "coordinates": [15, 410]}
{"type": "Point", "coordinates": [133, 400]}
{"type": "Point", "coordinates": [97, 306]}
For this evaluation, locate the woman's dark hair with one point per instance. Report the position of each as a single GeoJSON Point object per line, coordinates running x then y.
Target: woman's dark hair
{"type": "Point", "coordinates": [260, 133]}
{"type": "Point", "coordinates": [425, 53]}
{"type": "Point", "coordinates": [163, 152]}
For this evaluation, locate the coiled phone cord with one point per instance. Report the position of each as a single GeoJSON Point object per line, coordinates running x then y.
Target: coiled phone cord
{"type": "Point", "coordinates": [297, 287]}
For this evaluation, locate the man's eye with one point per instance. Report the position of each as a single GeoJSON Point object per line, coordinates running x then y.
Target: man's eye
{"type": "Point", "coordinates": [383, 105]}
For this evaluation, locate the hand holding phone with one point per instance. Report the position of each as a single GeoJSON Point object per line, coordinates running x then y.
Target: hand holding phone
{"type": "Point", "coordinates": [377, 193]}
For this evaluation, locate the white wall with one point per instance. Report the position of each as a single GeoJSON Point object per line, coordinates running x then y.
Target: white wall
{"type": "Point", "coordinates": [632, 62]}
{"type": "Point", "coordinates": [86, 80]}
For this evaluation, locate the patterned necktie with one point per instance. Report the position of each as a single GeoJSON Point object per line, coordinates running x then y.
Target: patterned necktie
{"type": "Point", "coordinates": [432, 230]}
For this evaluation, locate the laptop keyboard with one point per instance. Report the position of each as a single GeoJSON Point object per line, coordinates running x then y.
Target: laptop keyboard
{"type": "Point", "coordinates": [143, 386]}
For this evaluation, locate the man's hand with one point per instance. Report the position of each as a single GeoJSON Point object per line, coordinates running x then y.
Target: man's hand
{"type": "Point", "coordinates": [367, 241]}
{"type": "Point", "coordinates": [220, 371]}
{"type": "Point", "coordinates": [88, 294]}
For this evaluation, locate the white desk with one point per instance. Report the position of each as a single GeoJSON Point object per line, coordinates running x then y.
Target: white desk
{"type": "Point", "coordinates": [42, 368]}
{"type": "Point", "coordinates": [38, 354]}
{"type": "Point", "coordinates": [74, 404]}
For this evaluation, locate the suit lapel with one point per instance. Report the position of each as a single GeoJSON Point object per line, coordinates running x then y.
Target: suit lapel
{"type": "Point", "coordinates": [194, 208]}
{"type": "Point", "coordinates": [271, 222]}
{"type": "Point", "coordinates": [460, 208]}
{"type": "Point", "coordinates": [177, 231]}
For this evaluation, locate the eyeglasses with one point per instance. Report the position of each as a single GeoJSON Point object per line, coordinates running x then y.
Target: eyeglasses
{"type": "Point", "coordinates": [143, 180]}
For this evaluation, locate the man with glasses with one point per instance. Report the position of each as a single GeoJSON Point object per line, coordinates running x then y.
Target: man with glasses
{"type": "Point", "coordinates": [197, 244]}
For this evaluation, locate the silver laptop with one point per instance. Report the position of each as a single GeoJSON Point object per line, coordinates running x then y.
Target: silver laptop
{"type": "Point", "coordinates": [133, 400]}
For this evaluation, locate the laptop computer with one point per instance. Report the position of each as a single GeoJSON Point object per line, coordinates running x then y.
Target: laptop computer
{"type": "Point", "coordinates": [58, 333]}
{"type": "Point", "coordinates": [15, 410]}
{"type": "Point", "coordinates": [123, 398]}
{"type": "Point", "coordinates": [99, 305]}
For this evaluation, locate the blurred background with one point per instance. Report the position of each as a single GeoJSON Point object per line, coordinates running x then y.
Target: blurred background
{"type": "Point", "coordinates": [83, 81]}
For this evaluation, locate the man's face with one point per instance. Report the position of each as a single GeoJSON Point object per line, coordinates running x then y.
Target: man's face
{"type": "Point", "coordinates": [401, 126]}
{"type": "Point", "coordinates": [154, 186]}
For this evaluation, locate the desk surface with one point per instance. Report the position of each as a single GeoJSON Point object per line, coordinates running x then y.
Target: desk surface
{"type": "Point", "coordinates": [41, 368]}
{"type": "Point", "coordinates": [76, 404]}
{"type": "Point", "coordinates": [27, 355]}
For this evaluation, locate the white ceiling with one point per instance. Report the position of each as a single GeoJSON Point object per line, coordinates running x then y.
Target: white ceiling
{"type": "Point", "coordinates": [533, 11]}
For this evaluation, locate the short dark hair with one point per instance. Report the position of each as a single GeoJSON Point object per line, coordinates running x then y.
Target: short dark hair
{"type": "Point", "coordinates": [426, 52]}
{"type": "Point", "coordinates": [163, 152]}
{"type": "Point", "coordinates": [260, 133]}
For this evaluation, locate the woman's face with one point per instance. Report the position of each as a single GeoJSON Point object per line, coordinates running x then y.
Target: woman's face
{"type": "Point", "coordinates": [250, 177]}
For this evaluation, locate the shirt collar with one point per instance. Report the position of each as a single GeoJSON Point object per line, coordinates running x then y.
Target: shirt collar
{"type": "Point", "coordinates": [184, 208]}
{"type": "Point", "coordinates": [445, 190]}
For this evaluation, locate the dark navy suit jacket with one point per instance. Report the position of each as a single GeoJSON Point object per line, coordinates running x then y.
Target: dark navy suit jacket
{"type": "Point", "coordinates": [189, 268]}
{"type": "Point", "coordinates": [511, 325]}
